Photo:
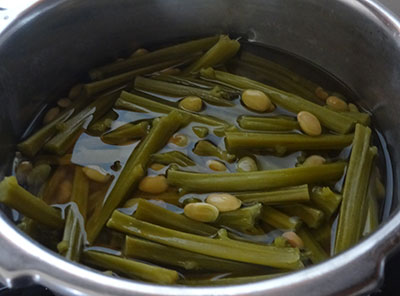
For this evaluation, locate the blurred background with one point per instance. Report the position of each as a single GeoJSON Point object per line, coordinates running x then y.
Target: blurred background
{"type": "Point", "coordinates": [9, 9]}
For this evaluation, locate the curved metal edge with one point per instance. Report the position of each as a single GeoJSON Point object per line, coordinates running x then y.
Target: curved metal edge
{"type": "Point", "coordinates": [23, 261]}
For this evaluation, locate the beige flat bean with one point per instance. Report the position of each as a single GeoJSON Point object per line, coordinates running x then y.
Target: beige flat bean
{"type": "Point", "coordinates": [246, 164]}
{"type": "Point", "coordinates": [96, 173]}
{"type": "Point", "coordinates": [256, 100]}
{"type": "Point", "coordinates": [336, 104]}
{"type": "Point", "coordinates": [191, 103]}
{"type": "Point", "coordinates": [309, 123]}
{"type": "Point", "coordinates": [154, 184]}
{"type": "Point", "coordinates": [51, 115]}
{"type": "Point", "coordinates": [216, 165]}
{"type": "Point", "coordinates": [180, 140]}
{"type": "Point", "coordinates": [224, 202]}
{"type": "Point", "coordinates": [353, 108]}
{"type": "Point", "coordinates": [314, 160]}
{"type": "Point", "coordinates": [157, 166]}
{"type": "Point", "coordinates": [75, 91]}
{"type": "Point", "coordinates": [64, 103]}
{"type": "Point", "coordinates": [139, 52]}
{"type": "Point", "coordinates": [200, 211]}
{"type": "Point", "coordinates": [64, 192]}
{"type": "Point", "coordinates": [321, 93]}
{"type": "Point", "coordinates": [293, 239]}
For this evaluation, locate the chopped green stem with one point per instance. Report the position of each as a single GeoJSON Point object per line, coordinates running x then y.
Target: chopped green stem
{"type": "Point", "coordinates": [229, 280]}
{"type": "Point", "coordinates": [173, 157]}
{"type": "Point", "coordinates": [225, 248]}
{"type": "Point", "coordinates": [323, 235]}
{"type": "Point", "coordinates": [257, 180]}
{"type": "Point", "coordinates": [317, 253]}
{"type": "Point", "coordinates": [155, 253]}
{"type": "Point", "coordinates": [328, 118]}
{"type": "Point", "coordinates": [279, 219]}
{"type": "Point", "coordinates": [280, 196]}
{"type": "Point", "coordinates": [122, 80]}
{"type": "Point", "coordinates": [372, 220]}
{"type": "Point", "coordinates": [222, 51]}
{"type": "Point", "coordinates": [276, 79]}
{"type": "Point", "coordinates": [285, 142]}
{"type": "Point", "coordinates": [69, 130]}
{"type": "Point", "coordinates": [360, 117]}
{"type": "Point", "coordinates": [326, 200]}
{"type": "Point", "coordinates": [312, 217]}
{"type": "Point", "coordinates": [242, 220]}
{"type": "Point", "coordinates": [149, 212]}
{"type": "Point", "coordinates": [133, 269]}
{"type": "Point", "coordinates": [206, 148]}
{"type": "Point", "coordinates": [276, 123]}
{"type": "Point", "coordinates": [200, 131]}
{"type": "Point", "coordinates": [155, 57]}
{"type": "Point", "coordinates": [126, 133]}
{"type": "Point", "coordinates": [16, 197]}
{"type": "Point", "coordinates": [279, 69]}
{"type": "Point", "coordinates": [73, 238]}
{"type": "Point", "coordinates": [179, 90]}
{"type": "Point", "coordinates": [350, 226]}
{"type": "Point", "coordinates": [103, 124]}
{"type": "Point", "coordinates": [131, 101]}
{"type": "Point", "coordinates": [217, 89]}
{"type": "Point", "coordinates": [134, 168]}
{"type": "Point", "coordinates": [32, 145]}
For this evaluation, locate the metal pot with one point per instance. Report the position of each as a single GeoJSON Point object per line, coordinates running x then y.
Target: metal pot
{"type": "Point", "coordinates": [53, 43]}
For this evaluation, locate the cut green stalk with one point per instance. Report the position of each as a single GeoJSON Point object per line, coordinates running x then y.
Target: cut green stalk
{"type": "Point", "coordinates": [222, 51]}
{"type": "Point", "coordinates": [134, 168]}
{"type": "Point", "coordinates": [280, 196]}
{"type": "Point", "coordinates": [149, 212]}
{"type": "Point", "coordinates": [229, 280]}
{"type": "Point", "coordinates": [200, 131]}
{"type": "Point", "coordinates": [242, 220]}
{"type": "Point", "coordinates": [206, 148]}
{"type": "Point", "coordinates": [328, 118]}
{"type": "Point", "coordinates": [52, 185]}
{"type": "Point", "coordinates": [126, 133]}
{"type": "Point", "coordinates": [162, 87]}
{"type": "Point", "coordinates": [359, 117]}
{"type": "Point", "coordinates": [276, 79]}
{"type": "Point", "coordinates": [323, 235]}
{"type": "Point", "coordinates": [372, 220]}
{"type": "Point", "coordinates": [318, 254]}
{"type": "Point", "coordinates": [355, 190]}
{"type": "Point", "coordinates": [158, 56]}
{"type": "Point", "coordinates": [73, 239]}
{"type": "Point", "coordinates": [218, 90]}
{"type": "Point", "coordinates": [173, 157]}
{"type": "Point", "coordinates": [225, 248]}
{"type": "Point", "coordinates": [278, 219]}
{"type": "Point", "coordinates": [32, 145]}
{"type": "Point", "coordinates": [257, 180]}
{"type": "Point", "coordinates": [130, 101]}
{"type": "Point", "coordinates": [279, 69]}
{"type": "Point", "coordinates": [326, 200]}
{"type": "Point", "coordinates": [69, 130]}
{"type": "Point", "coordinates": [131, 268]}
{"type": "Point", "coordinates": [268, 123]}
{"type": "Point", "coordinates": [16, 197]}
{"type": "Point", "coordinates": [155, 253]}
{"type": "Point", "coordinates": [312, 217]}
{"type": "Point", "coordinates": [103, 124]}
{"type": "Point", "coordinates": [96, 87]}
{"type": "Point", "coordinates": [285, 142]}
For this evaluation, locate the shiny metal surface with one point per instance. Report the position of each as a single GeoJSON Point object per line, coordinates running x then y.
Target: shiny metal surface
{"type": "Point", "coordinates": [53, 43]}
